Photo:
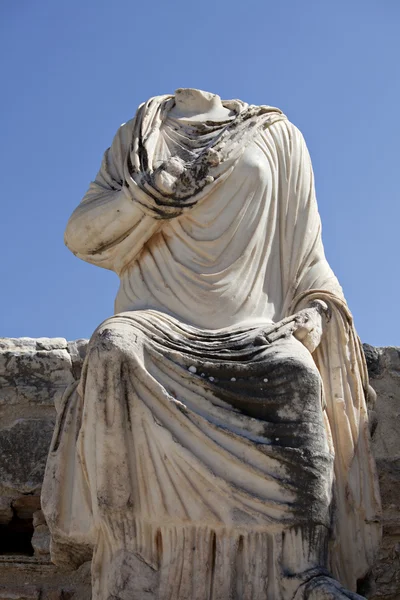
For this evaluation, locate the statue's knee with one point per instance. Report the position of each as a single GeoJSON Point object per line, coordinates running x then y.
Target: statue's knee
{"type": "Point", "coordinates": [300, 364]}
{"type": "Point", "coordinates": [110, 341]}
{"type": "Point", "coordinates": [301, 374]}
{"type": "Point", "coordinates": [307, 371]}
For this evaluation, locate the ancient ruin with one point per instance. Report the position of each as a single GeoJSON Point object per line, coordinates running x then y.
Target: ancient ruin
{"type": "Point", "coordinates": [216, 443]}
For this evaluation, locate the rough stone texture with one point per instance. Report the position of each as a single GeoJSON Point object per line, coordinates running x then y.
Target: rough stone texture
{"type": "Point", "coordinates": [33, 375]}
{"type": "Point", "coordinates": [30, 579]}
{"type": "Point", "coordinates": [384, 371]}
{"type": "Point", "coordinates": [34, 372]}
{"type": "Point", "coordinates": [20, 593]}
{"type": "Point", "coordinates": [23, 471]}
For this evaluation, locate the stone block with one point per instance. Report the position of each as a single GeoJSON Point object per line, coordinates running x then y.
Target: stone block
{"type": "Point", "coordinates": [24, 446]}
{"type": "Point", "coordinates": [19, 593]}
{"type": "Point", "coordinates": [384, 371]}
{"type": "Point", "coordinates": [25, 507]}
{"type": "Point", "coordinates": [373, 359]}
{"type": "Point", "coordinates": [38, 518]}
{"type": "Point", "coordinates": [6, 512]}
{"type": "Point", "coordinates": [77, 351]}
{"type": "Point", "coordinates": [34, 371]}
{"type": "Point", "coordinates": [41, 540]}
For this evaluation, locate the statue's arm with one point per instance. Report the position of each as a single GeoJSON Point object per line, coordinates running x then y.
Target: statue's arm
{"type": "Point", "coordinates": [107, 213]}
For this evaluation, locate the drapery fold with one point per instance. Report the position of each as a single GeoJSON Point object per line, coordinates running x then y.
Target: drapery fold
{"type": "Point", "coordinates": [357, 510]}
{"type": "Point", "coordinates": [227, 237]}
{"type": "Point", "coordinates": [178, 432]}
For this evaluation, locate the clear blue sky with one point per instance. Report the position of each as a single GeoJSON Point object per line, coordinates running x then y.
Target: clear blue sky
{"type": "Point", "coordinates": [73, 71]}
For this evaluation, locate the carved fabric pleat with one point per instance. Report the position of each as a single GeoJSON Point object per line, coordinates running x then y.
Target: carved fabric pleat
{"type": "Point", "coordinates": [187, 440]}
{"type": "Point", "coordinates": [222, 233]}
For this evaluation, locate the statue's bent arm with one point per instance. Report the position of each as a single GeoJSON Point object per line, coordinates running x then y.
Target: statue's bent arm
{"type": "Point", "coordinates": [108, 213]}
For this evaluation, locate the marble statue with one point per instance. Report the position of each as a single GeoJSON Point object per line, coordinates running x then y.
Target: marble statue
{"type": "Point", "coordinates": [217, 444]}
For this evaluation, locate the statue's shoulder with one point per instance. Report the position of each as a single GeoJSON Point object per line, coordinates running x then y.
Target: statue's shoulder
{"type": "Point", "coordinates": [278, 117]}
{"type": "Point", "coordinates": [123, 135]}
{"type": "Point", "coordinates": [128, 126]}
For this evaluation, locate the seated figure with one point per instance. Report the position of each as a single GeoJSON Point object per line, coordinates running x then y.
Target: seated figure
{"type": "Point", "coordinates": [217, 444]}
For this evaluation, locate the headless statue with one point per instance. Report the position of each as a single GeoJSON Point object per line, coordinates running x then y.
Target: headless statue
{"type": "Point", "coordinates": [216, 446]}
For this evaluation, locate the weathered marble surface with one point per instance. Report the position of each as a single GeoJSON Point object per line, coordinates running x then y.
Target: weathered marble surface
{"type": "Point", "coordinates": [33, 376]}
{"type": "Point", "coordinates": [18, 407]}
{"type": "Point", "coordinates": [187, 429]}
{"type": "Point", "coordinates": [384, 372]}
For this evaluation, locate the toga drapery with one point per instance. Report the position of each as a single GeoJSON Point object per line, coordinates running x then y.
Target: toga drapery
{"type": "Point", "coordinates": [187, 443]}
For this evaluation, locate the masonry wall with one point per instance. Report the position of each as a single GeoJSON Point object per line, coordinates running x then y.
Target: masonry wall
{"type": "Point", "coordinates": [33, 376]}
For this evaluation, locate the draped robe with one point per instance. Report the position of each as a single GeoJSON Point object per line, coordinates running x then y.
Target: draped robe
{"type": "Point", "coordinates": [190, 441]}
